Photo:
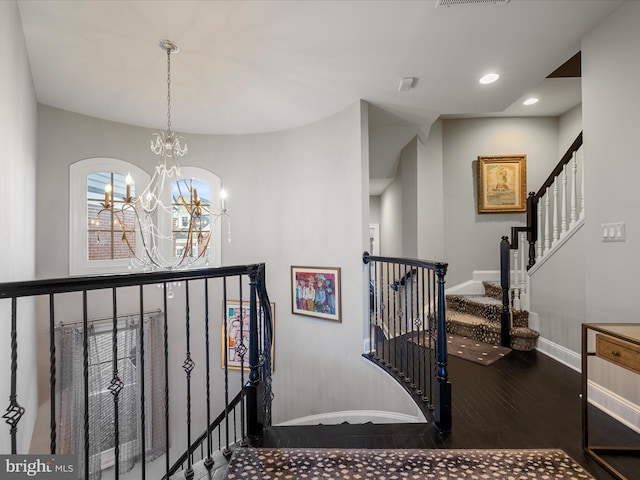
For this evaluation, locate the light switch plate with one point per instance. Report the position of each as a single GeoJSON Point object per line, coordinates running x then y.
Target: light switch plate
{"type": "Point", "coordinates": [613, 232]}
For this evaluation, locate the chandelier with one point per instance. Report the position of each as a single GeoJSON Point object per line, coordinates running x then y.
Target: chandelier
{"type": "Point", "coordinates": [164, 245]}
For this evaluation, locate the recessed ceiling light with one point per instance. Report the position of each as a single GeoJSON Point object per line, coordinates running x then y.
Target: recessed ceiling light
{"type": "Point", "coordinates": [489, 78]}
{"type": "Point", "coordinates": [530, 101]}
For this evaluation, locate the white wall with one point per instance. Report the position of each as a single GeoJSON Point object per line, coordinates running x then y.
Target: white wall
{"type": "Point", "coordinates": [610, 106]}
{"type": "Point", "coordinates": [17, 244]}
{"type": "Point", "coordinates": [609, 110]}
{"type": "Point", "coordinates": [289, 206]}
{"type": "Point", "coordinates": [408, 173]}
{"type": "Point", "coordinates": [391, 219]}
{"type": "Point", "coordinates": [557, 292]}
{"type": "Point", "coordinates": [472, 241]}
{"type": "Point", "coordinates": [430, 196]}
{"type": "Point", "coordinates": [569, 127]}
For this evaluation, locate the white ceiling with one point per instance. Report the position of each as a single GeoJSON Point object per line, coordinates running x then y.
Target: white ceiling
{"type": "Point", "coordinates": [262, 65]}
{"type": "Point", "coordinates": [259, 66]}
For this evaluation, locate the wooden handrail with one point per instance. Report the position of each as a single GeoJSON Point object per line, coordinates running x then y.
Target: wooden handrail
{"type": "Point", "coordinates": [577, 143]}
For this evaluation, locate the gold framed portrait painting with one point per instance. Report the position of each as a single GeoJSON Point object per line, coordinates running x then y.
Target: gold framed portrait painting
{"type": "Point", "coordinates": [502, 184]}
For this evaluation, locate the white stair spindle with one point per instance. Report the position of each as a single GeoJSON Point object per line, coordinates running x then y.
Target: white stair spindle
{"type": "Point", "coordinates": [555, 212]}
{"type": "Point", "coordinates": [547, 231]}
{"type": "Point", "coordinates": [516, 265]}
{"type": "Point", "coordinates": [574, 194]}
{"type": "Point", "coordinates": [539, 239]}
{"type": "Point", "coordinates": [523, 254]}
{"type": "Point", "coordinates": [582, 186]}
{"type": "Point", "coordinates": [563, 213]}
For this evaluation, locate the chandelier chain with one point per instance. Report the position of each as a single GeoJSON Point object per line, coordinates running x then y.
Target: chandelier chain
{"type": "Point", "coordinates": [169, 90]}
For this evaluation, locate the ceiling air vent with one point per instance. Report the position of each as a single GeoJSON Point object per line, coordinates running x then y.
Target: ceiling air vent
{"type": "Point", "coordinates": [450, 3]}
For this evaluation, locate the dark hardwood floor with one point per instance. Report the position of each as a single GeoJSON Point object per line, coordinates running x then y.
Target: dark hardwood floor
{"type": "Point", "coordinates": [525, 400]}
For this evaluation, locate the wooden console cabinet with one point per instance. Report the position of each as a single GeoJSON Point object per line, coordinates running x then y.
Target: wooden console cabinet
{"type": "Point", "coordinates": [619, 344]}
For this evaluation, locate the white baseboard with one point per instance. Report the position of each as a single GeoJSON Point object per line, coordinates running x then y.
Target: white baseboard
{"type": "Point", "coordinates": [354, 417]}
{"type": "Point", "coordinates": [562, 354]}
{"type": "Point", "coordinates": [609, 402]}
{"type": "Point", "coordinates": [614, 405]}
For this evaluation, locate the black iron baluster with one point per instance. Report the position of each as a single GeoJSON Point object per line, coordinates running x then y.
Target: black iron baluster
{"type": "Point", "coordinates": [421, 340]}
{"type": "Point", "coordinates": [52, 375]}
{"type": "Point", "coordinates": [254, 428]}
{"type": "Point", "coordinates": [388, 309]}
{"type": "Point", "coordinates": [227, 450]}
{"type": "Point", "coordinates": [116, 385]}
{"type": "Point", "coordinates": [405, 336]}
{"type": "Point", "coordinates": [430, 327]}
{"type": "Point", "coordinates": [85, 373]}
{"type": "Point", "coordinates": [242, 351]}
{"type": "Point", "coordinates": [14, 410]}
{"type": "Point", "coordinates": [376, 316]}
{"type": "Point", "coordinates": [188, 366]}
{"type": "Point", "coordinates": [397, 317]}
{"type": "Point", "coordinates": [143, 420]}
{"type": "Point", "coordinates": [434, 333]}
{"type": "Point", "coordinates": [209, 461]}
{"type": "Point", "coordinates": [413, 337]}
{"type": "Point", "coordinates": [235, 426]}
{"type": "Point", "coordinates": [166, 378]}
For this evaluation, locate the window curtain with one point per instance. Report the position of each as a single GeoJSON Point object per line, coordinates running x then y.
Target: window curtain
{"type": "Point", "coordinates": [71, 393]}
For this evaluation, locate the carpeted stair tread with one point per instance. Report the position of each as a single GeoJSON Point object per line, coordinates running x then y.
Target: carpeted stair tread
{"type": "Point", "coordinates": [487, 308]}
{"type": "Point", "coordinates": [482, 330]}
{"type": "Point", "coordinates": [493, 289]}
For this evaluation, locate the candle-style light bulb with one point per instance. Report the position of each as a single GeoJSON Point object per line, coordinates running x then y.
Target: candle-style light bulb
{"type": "Point", "coordinates": [128, 180]}
{"type": "Point", "coordinates": [223, 196]}
{"type": "Point", "coordinates": [107, 192]}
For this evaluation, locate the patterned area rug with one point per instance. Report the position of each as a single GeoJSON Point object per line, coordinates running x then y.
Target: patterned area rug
{"type": "Point", "coordinates": [475, 351]}
{"type": "Point", "coordinates": [472, 350]}
{"type": "Point", "coordinates": [359, 464]}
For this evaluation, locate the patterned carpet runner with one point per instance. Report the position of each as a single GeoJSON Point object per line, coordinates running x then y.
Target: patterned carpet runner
{"type": "Point", "coordinates": [363, 464]}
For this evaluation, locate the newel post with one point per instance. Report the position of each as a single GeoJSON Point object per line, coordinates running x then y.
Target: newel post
{"type": "Point", "coordinates": [532, 227]}
{"type": "Point", "coordinates": [254, 417]}
{"type": "Point", "coordinates": [505, 322]}
{"type": "Point", "coordinates": [442, 413]}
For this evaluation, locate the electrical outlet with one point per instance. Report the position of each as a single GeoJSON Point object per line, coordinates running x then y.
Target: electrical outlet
{"type": "Point", "coordinates": [613, 232]}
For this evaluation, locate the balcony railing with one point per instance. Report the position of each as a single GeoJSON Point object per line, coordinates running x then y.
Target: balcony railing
{"type": "Point", "coordinates": [407, 334]}
{"type": "Point", "coordinates": [198, 312]}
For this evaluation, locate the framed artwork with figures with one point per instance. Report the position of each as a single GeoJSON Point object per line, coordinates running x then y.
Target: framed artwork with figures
{"type": "Point", "coordinates": [502, 184]}
{"type": "Point", "coordinates": [315, 292]}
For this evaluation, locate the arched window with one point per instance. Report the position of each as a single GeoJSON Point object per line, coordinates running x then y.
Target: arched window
{"type": "Point", "coordinates": [103, 236]}
{"type": "Point", "coordinates": [208, 187]}
{"type": "Point", "coordinates": [94, 243]}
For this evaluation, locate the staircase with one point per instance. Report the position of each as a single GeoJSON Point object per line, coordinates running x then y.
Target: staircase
{"type": "Point", "coordinates": [478, 317]}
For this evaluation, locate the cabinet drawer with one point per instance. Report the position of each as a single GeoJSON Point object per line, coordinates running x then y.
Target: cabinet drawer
{"type": "Point", "coordinates": [617, 351]}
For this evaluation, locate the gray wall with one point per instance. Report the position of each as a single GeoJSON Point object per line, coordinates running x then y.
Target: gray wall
{"type": "Point", "coordinates": [472, 240]}
{"type": "Point", "coordinates": [288, 207]}
{"type": "Point", "coordinates": [609, 111]}
{"type": "Point", "coordinates": [17, 188]}
{"type": "Point", "coordinates": [408, 173]}
{"type": "Point", "coordinates": [557, 292]}
{"type": "Point", "coordinates": [430, 196]}
{"type": "Point", "coordinates": [411, 207]}
{"type": "Point", "coordinates": [610, 104]}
